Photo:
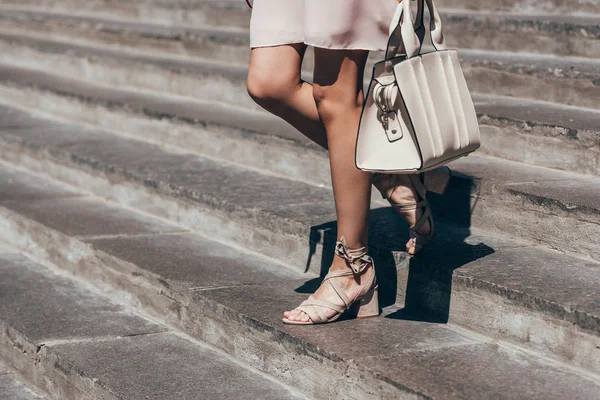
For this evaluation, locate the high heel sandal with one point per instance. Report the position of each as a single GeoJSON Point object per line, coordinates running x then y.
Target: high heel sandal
{"type": "Point", "coordinates": [435, 181]}
{"type": "Point", "coordinates": [365, 305]}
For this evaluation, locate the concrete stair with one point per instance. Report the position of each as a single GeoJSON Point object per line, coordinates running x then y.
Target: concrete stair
{"type": "Point", "coordinates": [488, 277]}
{"type": "Point", "coordinates": [231, 299]}
{"type": "Point", "coordinates": [570, 81]}
{"type": "Point", "coordinates": [132, 157]}
{"type": "Point", "coordinates": [573, 36]}
{"type": "Point", "coordinates": [13, 388]}
{"type": "Point", "coordinates": [90, 346]}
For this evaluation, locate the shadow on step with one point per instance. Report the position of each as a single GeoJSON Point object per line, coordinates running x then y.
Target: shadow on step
{"type": "Point", "coordinates": [423, 283]}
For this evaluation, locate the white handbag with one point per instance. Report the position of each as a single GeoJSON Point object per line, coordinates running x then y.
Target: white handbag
{"type": "Point", "coordinates": [418, 113]}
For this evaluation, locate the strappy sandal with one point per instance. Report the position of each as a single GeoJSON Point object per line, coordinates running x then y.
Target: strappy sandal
{"type": "Point", "coordinates": [365, 305]}
{"type": "Point", "coordinates": [435, 181]}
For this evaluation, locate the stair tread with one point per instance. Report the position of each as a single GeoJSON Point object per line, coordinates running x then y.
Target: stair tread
{"type": "Point", "coordinates": [96, 339]}
{"type": "Point", "coordinates": [125, 155]}
{"type": "Point", "coordinates": [579, 67]}
{"type": "Point", "coordinates": [260, 127]}
{"type": "Point", "coordinates": [408, 360]}
{"type": "Point", "coordinates": [531, 111]}
{"type": "Point", "coordinates": [146, 28]}
{"type": "Point", "coordinates": [516, 109]}
{"type": "Point", "coordinates": [281, 205]}
{"type": "Point", "coordinates": [580, 20]}
{"type": "Point", "coordinates": [13, 388]}
{"type": "Point", "coordinates": [542, 63]}
{"type": "Point", "coordinates": [169, 30]}
{"type": "Point", "coordinates": [568, 80]}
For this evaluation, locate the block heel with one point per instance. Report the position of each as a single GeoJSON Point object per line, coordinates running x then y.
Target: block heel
{"type": "Point", "coordinates": [368, 306]}
{"type": "Point", "coordinates": [364, 304]}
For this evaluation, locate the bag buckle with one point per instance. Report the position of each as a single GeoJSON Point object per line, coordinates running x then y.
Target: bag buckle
{"type": "Point", "coordinates": [386, 114]}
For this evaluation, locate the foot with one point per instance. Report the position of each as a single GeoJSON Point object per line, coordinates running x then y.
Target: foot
{"type": "Point", "coordinates": [352, 286]}
{"type": "Point", "coordinates": [400, 192]}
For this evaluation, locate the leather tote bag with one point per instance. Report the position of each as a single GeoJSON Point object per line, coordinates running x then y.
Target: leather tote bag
{"type": "Point", "coordinates": [418, 113]}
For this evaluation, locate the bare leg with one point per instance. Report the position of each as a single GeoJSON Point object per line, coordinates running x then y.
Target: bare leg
{"type": "Point", "coordinates": [339, 97]}
{"type": "Point", "coordinates": [274, 82]}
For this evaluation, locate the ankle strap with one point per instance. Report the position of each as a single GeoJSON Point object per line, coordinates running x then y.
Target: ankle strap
{"type": "Point", "coordinates": [357, 259]}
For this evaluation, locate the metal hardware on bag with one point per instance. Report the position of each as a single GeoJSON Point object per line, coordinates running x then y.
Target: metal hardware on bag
{"type": "Point", "coordinates": [387, 115]}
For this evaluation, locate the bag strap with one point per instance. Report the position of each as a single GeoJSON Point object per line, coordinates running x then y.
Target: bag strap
{"type": "Point", "coordinates": [405, 38]}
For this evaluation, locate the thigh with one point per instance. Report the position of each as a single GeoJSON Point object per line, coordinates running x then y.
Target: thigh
{"type": "Point", "coordinates": [278, 67]}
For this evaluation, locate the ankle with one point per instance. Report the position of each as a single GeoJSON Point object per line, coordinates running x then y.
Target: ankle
{"type": "Point", "coordinates": [338, 264]}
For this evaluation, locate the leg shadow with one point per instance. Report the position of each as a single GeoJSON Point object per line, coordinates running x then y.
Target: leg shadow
{"type": "Point", "coordinates": [429, 275]}
{"type": "Point", "coordinates": [422, 283]}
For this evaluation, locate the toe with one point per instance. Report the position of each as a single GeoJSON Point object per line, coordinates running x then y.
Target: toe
{"type": "Point", "coordinates": [305, 317]}
{"type": "Point", "coordinates": [295, 315]}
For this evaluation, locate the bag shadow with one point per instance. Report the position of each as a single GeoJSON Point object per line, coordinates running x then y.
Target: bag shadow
{"type": "Point", "coordinates": [421, 284]}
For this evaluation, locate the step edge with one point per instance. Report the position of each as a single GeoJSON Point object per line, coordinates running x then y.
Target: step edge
{"type": "Point", "coordinates": [253, 323]}
{"type": "Point", "coordinates": [52, 159]}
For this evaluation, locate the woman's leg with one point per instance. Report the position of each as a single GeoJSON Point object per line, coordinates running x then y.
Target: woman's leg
{"type": "Point", "coordinates": [338, 82]}
{"type": "Point", "coordinates": [274, 83]}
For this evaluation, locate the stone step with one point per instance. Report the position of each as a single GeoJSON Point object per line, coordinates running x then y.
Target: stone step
{"type": "Point", "coordinates": [550, 34]}
{"type": "Point", "coordinates": [233, 300]}
{"type": "Point", "coordinates": [558, 7]}
{"type": "Point", "coordinates": [542, 134]}
{"type": "Point", "coordinates": [560, 35]}
{"type": "Point", "coordinates": [178, 12]}
{"type": "Point", "coordinates": [570, 81]}
{"type": "Point", "coordinates": [12, 386]}
{"type": "Point", "coordinates": [236, 14]}
{"type": "Point", "coordinates": [533, 203]}
{"type": "Point", "coordinates": [75, 342]}
{"type": "Point", "coordinates": [295, 223]}
{"type": "Point", "coordinates": [210, 42]}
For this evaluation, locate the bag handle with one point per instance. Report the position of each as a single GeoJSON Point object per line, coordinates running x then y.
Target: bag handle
{"type": "Point", "coordinates": [404, 36]}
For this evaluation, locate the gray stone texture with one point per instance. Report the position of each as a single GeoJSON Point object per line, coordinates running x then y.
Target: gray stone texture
{"type": "Point", "coordinates": [564, 35]}
{"type": "Point", "coordinates": [553, 7]}
{"type": "Point", "coordinates": [44, 307]}
{"type": "Point", "coordinates": [541, 280]}
{"type": "Point", "coordinates": [364, 337]}
{"type": "Point", "coordinates": [165, 366]}
{"type": "Point", "coordinates": [434, 359]}
{"type": "Point", "coordinates": [282, 206]}
{"type": "Point", "coordinates": [89, 217]}
{"type": "Point", "coordinates": [561, 35]}
{"type": "Point", "coordinates": [523, 75]}
{"type": "Point", "coordinates": [195, 262]}
{"type": "Point", "coordinates": [12, 388]}
{"type": "Point", "coordinates": [249, 287]}
{"type": "Point", "coordinates": [513, 128]}
{"type": "Point", "coordinates": [483, 371]}
{"type": "Point", "coordinates": [17, 185]}
{"type": "Point", "coordinates": [439, 361]}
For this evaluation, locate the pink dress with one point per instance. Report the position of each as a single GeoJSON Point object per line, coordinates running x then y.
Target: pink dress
{"type": "Point", "coordinates": [331, 24]}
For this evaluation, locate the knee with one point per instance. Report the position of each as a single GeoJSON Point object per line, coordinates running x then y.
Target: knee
{"type": "Point", "coordinates": [267, 89]}
{"type": "Point", "coordinates": [333, 102]}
